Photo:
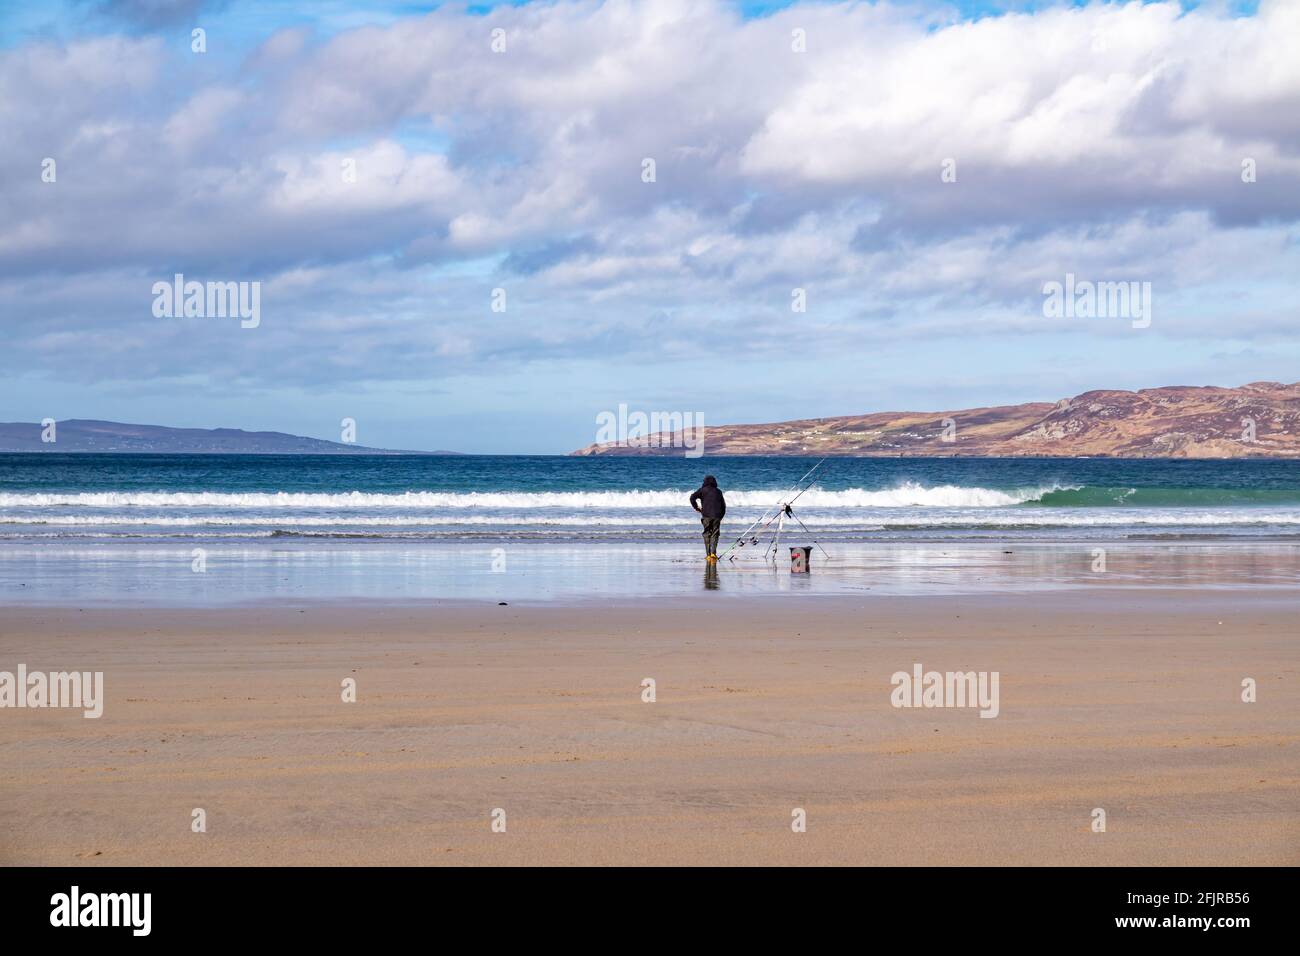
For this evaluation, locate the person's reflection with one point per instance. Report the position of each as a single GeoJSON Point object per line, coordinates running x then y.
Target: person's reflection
{"type": "Point", "coordinates": [710, 577]}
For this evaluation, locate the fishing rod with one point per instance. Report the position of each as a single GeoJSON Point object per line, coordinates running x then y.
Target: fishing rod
{"type": "Point", "coordinates": [790, 514]}
{"type": "Point", "coordinates": [810, 536]}
{"type": "Point", "coordinates": [782, 507]}
{"type": "Point", "coordinates": [767, 517]}
{"type": "Point", "coordinates": [787, 511]}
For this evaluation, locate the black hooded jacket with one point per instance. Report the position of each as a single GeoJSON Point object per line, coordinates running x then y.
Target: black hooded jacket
{"type": "Point", "coordinates": [708, 500]}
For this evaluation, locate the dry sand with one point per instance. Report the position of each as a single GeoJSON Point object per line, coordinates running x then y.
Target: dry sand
{"type": "Point", "coordinates": [1125, 701]}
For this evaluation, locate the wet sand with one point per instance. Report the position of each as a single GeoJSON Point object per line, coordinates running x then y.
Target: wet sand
{"type": "Point", "coordinates": [1126, 700]}
{"type": "Point", "coordinates": [158, 574]}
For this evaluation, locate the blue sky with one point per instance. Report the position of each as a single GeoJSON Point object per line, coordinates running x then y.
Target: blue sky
{"type": "Point", "coordinates": [248, 23]}
{"type": "Point", "coordinates": [1100, 140]}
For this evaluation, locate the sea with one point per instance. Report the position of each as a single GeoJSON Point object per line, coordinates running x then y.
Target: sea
{"type": "Point", "coordinates": [249, 527]}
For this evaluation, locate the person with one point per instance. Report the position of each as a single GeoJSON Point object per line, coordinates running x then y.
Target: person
{"type": "Point", "coordinates": [708, 501]}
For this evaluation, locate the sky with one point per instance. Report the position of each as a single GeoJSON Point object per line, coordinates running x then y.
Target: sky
{"type": "Point", "coordinates": [920, 171]}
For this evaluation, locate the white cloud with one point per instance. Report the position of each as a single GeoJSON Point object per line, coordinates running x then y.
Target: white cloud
{"type": "Point", "coordinates": [1105, 139]}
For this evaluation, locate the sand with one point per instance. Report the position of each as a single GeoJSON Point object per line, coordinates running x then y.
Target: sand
{"type": "Point", "coordinates": [1126, 701]}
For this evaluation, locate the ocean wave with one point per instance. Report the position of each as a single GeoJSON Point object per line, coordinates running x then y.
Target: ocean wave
{"type": "Point", "coordinates": [955, 518]}
{"type": "Point", "coordinates": [1094, 496]}
{"type": "Point", "coordinates": [906, 494]}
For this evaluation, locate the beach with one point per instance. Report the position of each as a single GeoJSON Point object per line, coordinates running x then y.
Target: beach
{"type": "Point", "coordinates": [517, 660]}
{"type": "Point", "coordinates": [1126, 699]}
{"type": "Point", "coordinates": [592, 433]}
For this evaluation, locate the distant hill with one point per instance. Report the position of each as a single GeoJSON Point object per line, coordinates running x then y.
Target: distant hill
{"type": "Point", "coordinates": [87, 435]}
{"type": "Point", "coordinates": [1172, 422]}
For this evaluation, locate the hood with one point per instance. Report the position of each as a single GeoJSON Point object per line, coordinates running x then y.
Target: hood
{"type": "Point", "coordinates": [710, 481]}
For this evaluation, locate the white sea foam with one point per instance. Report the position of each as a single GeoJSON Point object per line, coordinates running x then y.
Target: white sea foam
{"type": "Point", "coordinates": [907, 494]}
{"type": "Point", "coordinates": [955, 518]}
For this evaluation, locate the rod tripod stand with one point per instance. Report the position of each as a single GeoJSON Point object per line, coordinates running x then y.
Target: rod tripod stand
{"type": "Point", "coordinates": [784, 510]}
{"type": "Point", "coordinates": [775, 547]}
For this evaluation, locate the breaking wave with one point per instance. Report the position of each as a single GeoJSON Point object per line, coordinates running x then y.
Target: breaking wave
{"type": "Point", "coordinates": [955, 518]}
{"type": "Point", "coordinates": [905, 495]}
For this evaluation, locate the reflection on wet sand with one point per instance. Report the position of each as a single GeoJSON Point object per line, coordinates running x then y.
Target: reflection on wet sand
{"type": "Point", "coordinates": [155, 574]}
